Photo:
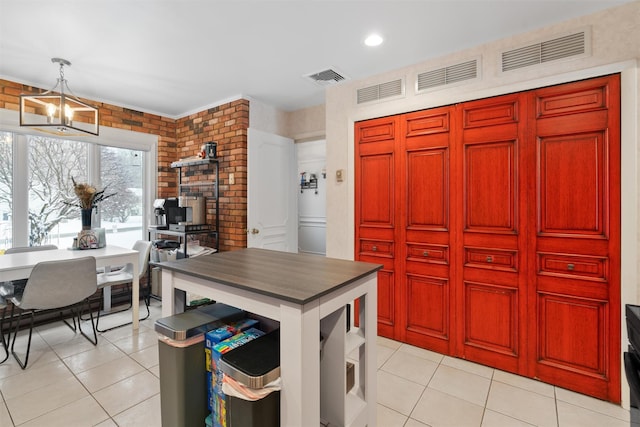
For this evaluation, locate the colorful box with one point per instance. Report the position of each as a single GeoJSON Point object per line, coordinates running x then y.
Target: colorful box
{"type": "Point", "coordinates": [214, 336]}
{"type": "Point", "coordinates": [215, 385]}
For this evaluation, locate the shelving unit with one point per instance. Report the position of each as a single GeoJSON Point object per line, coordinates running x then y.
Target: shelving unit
{"type": "Point", "coordinates": [340, 406]}
{"type": "Point", "coordinates": [201, 189]}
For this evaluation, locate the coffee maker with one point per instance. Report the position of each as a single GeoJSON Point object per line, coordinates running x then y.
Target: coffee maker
{"type": "Point", "coordinates": [159, 215]}
{"type": "Point", "coordinates": [161, 209]}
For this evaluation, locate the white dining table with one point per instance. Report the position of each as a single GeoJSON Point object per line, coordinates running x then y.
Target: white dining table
{"type": "Point", "coordinates": [19, 265]}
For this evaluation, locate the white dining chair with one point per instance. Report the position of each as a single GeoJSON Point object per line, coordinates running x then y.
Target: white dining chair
{"type": "Point", "coordinates": [125, 276]}
{"type": "Point", "coordinates": [8, 289]}
{"type": "Point", "coordinates": [55, 286]}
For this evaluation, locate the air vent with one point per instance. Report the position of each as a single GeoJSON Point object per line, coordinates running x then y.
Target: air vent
{"type": "Point", "coordinates": [326, 77]}
{"type": "Point", "coordinates": [551, 50]}
{"type": "Point", "coordinates": [381, 91]}
{"type": "Point", "coordinates": [447, 75]}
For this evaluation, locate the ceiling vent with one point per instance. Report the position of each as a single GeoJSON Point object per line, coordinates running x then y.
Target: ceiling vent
{"type": "Point", "coordinates": [447, 75]}
{"type": "Point", "coordinates": [326, 77]}
{"type": "Point", "coordinates": [569, 46]}
{"type": "Point", "coordinates": [392, 89]}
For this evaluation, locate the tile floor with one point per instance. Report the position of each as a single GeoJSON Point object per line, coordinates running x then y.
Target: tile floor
{"type": "Point", "coordinates": [71, 383]}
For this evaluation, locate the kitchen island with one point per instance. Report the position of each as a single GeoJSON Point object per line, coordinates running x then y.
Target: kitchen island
{"type": "Point", "coordinates": [308, 296]}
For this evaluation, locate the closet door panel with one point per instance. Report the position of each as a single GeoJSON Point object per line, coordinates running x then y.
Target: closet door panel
{"type": "Point", "coordinates": [428, 188]}
{"type": "Point", "coordinates": [491, 320]}
{"type": "Point", "coordinates": [557, 348]}
{"type": "Point", "coordinates": [490, 196]}
{"type": "Point", "coordinates": [491, 112]}
{"type": "Point", "coordinates": [573, 191]}
{"type": "Point", "coordinates": [376, 205]}
{"type": "Point", "coordinates": [386, 301]}
{"type": "Point", "coordinates": [428, 303]}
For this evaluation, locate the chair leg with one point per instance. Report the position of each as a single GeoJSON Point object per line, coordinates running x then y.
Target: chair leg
{"type": "Point", "coordinates": [99, 309]}
{"type": "Point", "coordinates": [147, 300]}
{"type": "Point", "coordinates": [93, 341]}
{"type": "Point", "coordinates": [146, 303]}
{"type": "Point", "coordinates": [74, 328]}
{"type": "Point", "coordinates": [22, 364]}
{"type": "Point", "coordinates": [5, 342]}
{"type": "Point", "coordinates": [112, 311]}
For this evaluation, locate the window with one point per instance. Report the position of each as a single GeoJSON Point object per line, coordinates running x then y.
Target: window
{"type": "Point", "coordinates": [45, 212]}
{"type": "Point", "coordinates": [123, 214]}
{"type": "Point", "coordinates": [52, 164]}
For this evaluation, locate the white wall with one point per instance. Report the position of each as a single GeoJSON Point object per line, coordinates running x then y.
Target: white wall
{"type": "Point", "coordinates": [307, 124]}
{"type": "Point", "coordinates": [615, 48]}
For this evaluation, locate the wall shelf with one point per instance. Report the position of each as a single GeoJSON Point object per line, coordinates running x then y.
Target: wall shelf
{"type": "Point", "coordinates": [183, 190]}
{"type": "Point", "coordinates": [192, 162]}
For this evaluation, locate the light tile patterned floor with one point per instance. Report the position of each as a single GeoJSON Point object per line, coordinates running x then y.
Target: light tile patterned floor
{"type": "Point", "coordinates": [71, 383]}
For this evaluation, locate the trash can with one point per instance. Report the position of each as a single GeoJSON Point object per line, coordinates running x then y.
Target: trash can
{"type": "Point", "coordinates": [183, 387]}
{"type": "Point", "coordinates": [254, 365]}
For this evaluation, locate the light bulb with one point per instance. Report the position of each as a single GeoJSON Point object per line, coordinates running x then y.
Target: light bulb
{"type": "Point", "coordinates": [51, 112]}
{"type": "Point", "coordinates": [68, 113]}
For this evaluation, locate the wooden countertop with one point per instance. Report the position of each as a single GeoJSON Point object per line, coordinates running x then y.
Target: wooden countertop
{"type": "Point", "coordinates": [298, 278]}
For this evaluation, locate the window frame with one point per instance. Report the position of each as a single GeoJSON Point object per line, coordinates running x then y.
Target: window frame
{"type": "Point", "coordinates": [112, 137]}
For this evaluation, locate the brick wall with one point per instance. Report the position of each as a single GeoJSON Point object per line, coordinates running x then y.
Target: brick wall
{"type": "Point", "coordinates": [226, 124]}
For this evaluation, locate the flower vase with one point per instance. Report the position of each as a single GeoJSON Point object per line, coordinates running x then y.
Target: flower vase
{"type": "Point", "coordinates": [86, 218]}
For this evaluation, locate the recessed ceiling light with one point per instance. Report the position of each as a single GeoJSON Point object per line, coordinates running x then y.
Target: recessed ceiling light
{"type": "Point", "coordinates": [373, 40]}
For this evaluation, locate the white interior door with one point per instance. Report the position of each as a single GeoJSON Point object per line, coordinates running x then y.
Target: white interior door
{"type": "Point", "coordinates": [272, 199]}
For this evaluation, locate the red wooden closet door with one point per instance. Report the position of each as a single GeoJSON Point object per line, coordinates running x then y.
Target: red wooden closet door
{"type": "Point", "coordinates": [375, 210]}
{"type": "Point", "coordinates": [426, 230]}
{"type": "Point", "coordinates": [576, 298]}
{"type": "Point", "coordinates": [498, 225]}
{"type": "Point", "coordinates": [491, 299]}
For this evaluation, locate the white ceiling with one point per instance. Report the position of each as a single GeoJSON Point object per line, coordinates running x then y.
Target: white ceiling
{"type": "Point", "coordinates": [175, 57]}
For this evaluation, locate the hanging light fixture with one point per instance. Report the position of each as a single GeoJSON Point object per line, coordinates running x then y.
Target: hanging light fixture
{"type": "Point", "coordinates": [58, 111]}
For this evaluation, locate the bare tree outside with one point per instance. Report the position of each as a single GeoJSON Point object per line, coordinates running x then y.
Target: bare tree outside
{"type": "Point", "coordinates": [6, 180]}
{"type": "Point", "coordinates": [52, 164]}
{"type": "Point", "coordinates": [121, 171]}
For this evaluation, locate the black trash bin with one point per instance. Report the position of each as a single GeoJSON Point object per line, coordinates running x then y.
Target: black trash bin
{"type": "Point", "coordinates": [254, 365]}
{"type": "Point", "coordinates": [183, 385]}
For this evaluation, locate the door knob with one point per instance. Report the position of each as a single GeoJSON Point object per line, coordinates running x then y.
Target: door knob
{"type": "Point", "coordinates": [255, 231]}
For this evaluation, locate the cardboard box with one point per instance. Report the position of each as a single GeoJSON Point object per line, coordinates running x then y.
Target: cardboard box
{"type": "Point", "coordinates": [215, 336]}
{"type": "Point", "coordinates": [217, 397]}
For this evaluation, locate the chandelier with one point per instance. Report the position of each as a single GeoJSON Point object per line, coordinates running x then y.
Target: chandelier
{"type": "Point", "coordinates": [58, 111]}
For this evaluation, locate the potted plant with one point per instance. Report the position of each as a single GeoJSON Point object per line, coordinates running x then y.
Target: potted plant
{"type": "Point", "coordinates": [88, 198]}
